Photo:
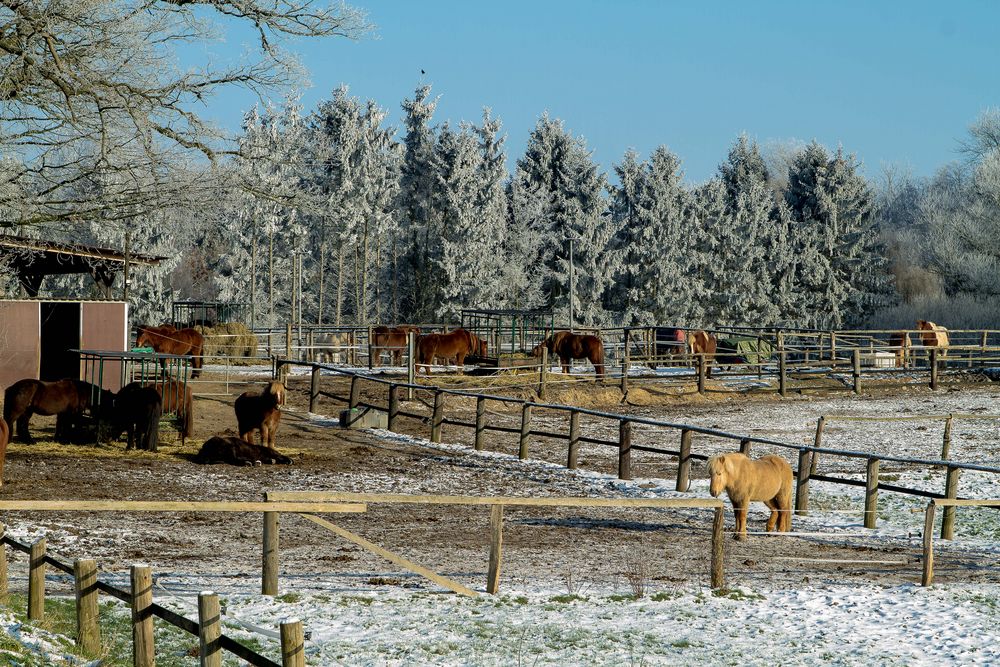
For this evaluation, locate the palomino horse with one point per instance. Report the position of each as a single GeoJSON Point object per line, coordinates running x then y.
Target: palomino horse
{"type": "Point", "coordinates": [933, 335]}
{"type": "Point", "coordinates": [67, 399]}
{"type": "Point", "coordinates": [391, 340]}
{"type": "Point", "coordinates": [705, 343]}
{"type": "Point", "coordinates": [768, 479]}
{"type": "Point", "coordinates": [167, 340]}
{"type": "Point", "coordinates": [568, 346]}
{"type": "Point", "coordinates": [457, 345]}
{"type": "Point", "coordinates": [260, 411]}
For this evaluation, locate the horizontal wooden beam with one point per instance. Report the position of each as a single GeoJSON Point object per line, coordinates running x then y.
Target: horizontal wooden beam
{"type": "Point", "coordinates": [175, 506]}
{"type": "Point", "coordinates": [958, 502]}
{"type": "Point", "coordinates": [333, 496]}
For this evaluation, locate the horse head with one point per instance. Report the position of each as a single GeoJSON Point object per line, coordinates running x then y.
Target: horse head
{"type": "Point", "coordinates": [718, 471]}
{"type": "Point", "coordinates": [277, 389]}
{"type": "Point", "coordinates": [545, 344]}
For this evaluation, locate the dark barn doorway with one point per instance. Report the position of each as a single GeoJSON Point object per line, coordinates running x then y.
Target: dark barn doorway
{"type": "Point", "coordinates": [60, 333]}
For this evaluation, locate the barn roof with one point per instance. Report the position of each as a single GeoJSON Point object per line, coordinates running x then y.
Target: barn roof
{"type": "Point", "coordinates": [33, 259]}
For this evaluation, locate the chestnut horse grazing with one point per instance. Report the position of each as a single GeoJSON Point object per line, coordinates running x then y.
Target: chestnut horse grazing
{"type": "Point", "coordinates": [167, 340]}
{"type": "Point", "coordinates": [768, 479]}
{"type": "Point", "coordinates": [457, 345]}
{"type": "Point", "coordinates": [391, 340]}
{"type": "Point", "coordinates": [229, 449]}
{"type": "Point", "coordinates": [705, 343]}
{"type": "Point", "coordinates": [260, 411]}
{"type": "Point", "coordinates": [568, 346]}
{"type": "Point", "coordinates": [4, 439]}
{"type": "Point", "coordinates": [67, 399]}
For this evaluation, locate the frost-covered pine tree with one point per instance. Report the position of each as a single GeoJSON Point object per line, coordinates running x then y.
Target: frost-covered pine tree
{"type": "Point", "coordinates": [495, 283]}
{"type": "Point", "coordinates": [562, 193]}
{"type": "Point", "coordinates": [650, 208]}
{"type": "Point", "coordinates": [415, 281]}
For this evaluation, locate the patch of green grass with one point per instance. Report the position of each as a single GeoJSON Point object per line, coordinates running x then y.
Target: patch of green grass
{"type": "Point", "coordinates": [681, 643]}
{"type": "Point", "coordinates": [290, 598]}
{"type": "Point", "coordinates": [566, 598]}
{"type": "Point", "coordinates": [663, 596]}
{"type": "Point", "coordinates": [621, 598]}
{"type": "Point", "coordinates": [346, 600]}
{"type": "Point", "coordinates": [736, 594]}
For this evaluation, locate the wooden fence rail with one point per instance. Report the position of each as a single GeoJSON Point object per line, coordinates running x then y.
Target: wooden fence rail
{"type": "Point", "coordinates": [809, 457]}
{"type": "Point", "coordinates": [928, 542]}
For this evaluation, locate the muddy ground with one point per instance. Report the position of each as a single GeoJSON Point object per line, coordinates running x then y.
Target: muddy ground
{"type": "Point", "coordinates": [566, 549]}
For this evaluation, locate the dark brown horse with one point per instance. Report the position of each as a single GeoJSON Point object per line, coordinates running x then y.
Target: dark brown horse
{"type": "Point", "coordinates": [4, 439]}
{"type": "Point", "coordinates": [670, 342]}
{"type": "Point", "coordinates": [137, 410]}
{"type": "Point", "coordinates": [177, 399]}
{"type": "Point", "coordinates": [167, 340]}
{"type": "Point", "coordinates": [457, 345]}
{"type": "Point", "coordinates": [705, 343]}
{"type": "Point", "coordinates": [67, 399]}
{"type": "Point", "coordinates": [260, 411]}
{"type": "Point", "coordinates": [391, 340]}
{"type": "Point", "coordinates": [568, 346]}
{"type": "Point", "coordinates": [229, 449]}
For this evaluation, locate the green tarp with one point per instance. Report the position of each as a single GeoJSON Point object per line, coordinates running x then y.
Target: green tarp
{"type": "Point", "coordinates": [743, 350]}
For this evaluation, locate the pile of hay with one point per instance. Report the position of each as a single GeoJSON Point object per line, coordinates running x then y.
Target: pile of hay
{"type": "Point", "coordinates": [229, 339]}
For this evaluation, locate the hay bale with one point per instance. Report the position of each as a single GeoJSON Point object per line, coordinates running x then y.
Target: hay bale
{"type": "Point", "coordinates": [229, 339]}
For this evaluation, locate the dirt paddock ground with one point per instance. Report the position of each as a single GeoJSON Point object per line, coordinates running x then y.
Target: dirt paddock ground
{"type": "Point", "coordinates": [552, 548]}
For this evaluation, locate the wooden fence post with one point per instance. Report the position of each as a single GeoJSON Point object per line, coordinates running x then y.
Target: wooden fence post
{"type": "Point", "coordinates": [702, 370]}
{"type": "Point", "coordinates": [543, 369]}
{"type": "Point", "coordinates": [624, 449]}
{"type": "Point", "coordinates": [393, 407]}
{"type": "Point", "coordinates": [288, 340]}
{"type": "Point", "coordinates": [314, 389]}
{"type": "Point", "coordinates": [4, 582]}
{"type": "Point", "coordinates": [209, 629]}
{"type": "Point", "coordinates": [951, 492]}
{"type": "Point", "coordinates": [355, 397]}
{"type": "Point", "coordinates": [480, 422]}
{"type": "Point", "coordinates": [143, 653]}
{"type": "Point", "coordinates": [802, 484]}
{"type": "Point", "coordinates": [352, 347]}
{"type": "Point", "coordinates": [718, 549]}
{"type": "Point", "coordinates": [88, 630]}
{"type": "Point", "coordinates": [437, 417]}
{"type": "Point", "coordinates": [934, 368]}
{"type": "Point", "coordinates": [928, 574]}
{"type": "Point", "coordinates": [371, 341]}
{"type": "Point", "coordinates": [522, 446]}
{"type": "Point", "coordinates": [871, 492]}
{"type": "Point", "coordinates": [684, 461]}
{"type": "Point", "coordinates": [856, 369]}
{"type": "Point", "coordinates": [36, 581]}
{"type": "Point", "coordinates": [574, 440]}
{"type": "Point", "coordinates": [411, 363]}
{"type": "Point", "coordinates": [946, 444]}
{"type": "Point", "coordinates": [782, 374]}
{"type": "Point", "coordinates": [833, 347]}
{"type": "Point", "coordinates": [269, 566]}
{"type": "Point", "coordinates": [745, 446]}
{"type": "Point", "coordinates": [496, 549]}
{"type": "Point", "coordinates": [820, 425]}
{"type": "Point", "coordinates": [625, 365]}
{"type": "Point", "coordinates": [293, 643]}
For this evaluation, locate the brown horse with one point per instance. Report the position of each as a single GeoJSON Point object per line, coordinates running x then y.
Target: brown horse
{"type": "Point", "coordinates": [166, 339]}
{"type": "Point", "coordinates": [705, 343]}
{"type": "Point", "coordinates": [137, 411]}
{"type": "Point", "coordinates": [670, 342]}
{"type": "Point", "coordinates": [228, 449]}
{"type": "Point", "coordinates": [457, 345]}
{"type": "Point", "coordinates": [4, 439]}
{"type": "Point", "coordinates": [67, 399]}
{"type": "Point", "coordinates": [391, 340]}
{"type": "Point", "coordinates": [568, 346]}
{"type": "Point", "coordinates": [177, 399]}
{"type": "Point", "coordinates": [260, 411]}
{"type": "Point", "coordinates": [900, 342]}
{"type": "Point", "coordinates": [932, 335]}
{"type": "Point", "coordinates": [768, 479]}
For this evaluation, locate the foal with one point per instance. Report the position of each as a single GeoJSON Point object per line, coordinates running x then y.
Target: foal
{"type": "Point", "coordinates": [260, 412]}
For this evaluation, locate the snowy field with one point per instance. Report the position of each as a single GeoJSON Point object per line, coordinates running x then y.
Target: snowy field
{"type": "Point", "coordinates": [808, 615]}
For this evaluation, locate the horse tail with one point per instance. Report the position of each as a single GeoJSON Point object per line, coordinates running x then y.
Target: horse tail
{"type": "Point", "coordinates": [188, 414]}
{"type": "Point", "coordinates": [598, 361]}
{"type": "Point", "coordinates": [197, 343]}
{"type": "Point", "coordinates": [152, 438]}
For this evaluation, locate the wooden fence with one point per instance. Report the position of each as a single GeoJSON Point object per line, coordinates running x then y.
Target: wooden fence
{"type": "Point", "coordinates": [808, 457]}
{"type": "Point", "coordinates": [87, 586]}
{"type": "Point", "coordinates": [927, 577]}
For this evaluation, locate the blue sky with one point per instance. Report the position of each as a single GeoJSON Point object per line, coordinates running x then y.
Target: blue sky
{"type": "Point", "coordinates": [893, 82]}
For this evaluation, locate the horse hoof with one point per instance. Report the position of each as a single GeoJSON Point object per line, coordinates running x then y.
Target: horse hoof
{"type": "Point", "coordinates": [257, 463]}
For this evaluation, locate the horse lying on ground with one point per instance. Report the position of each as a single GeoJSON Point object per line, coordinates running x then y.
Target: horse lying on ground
{"type": "Point", "coordinates": [457, 345]}
{"type": "Point", "coordinates": [260, 412]}
{"type": "Point", "coordinates": [4, 439]}
{"type": "Point", "coordinates": [392, 340]}
{"type": "Point", "coordinates": [165, 339]}
{"type": "Point", "coordinates": [568, 346]}
{"type": "Point", "coordinates": [705, 343]}
{"type": "Point", "coordinates": [137, 410]}
{"type": "Point", "coordinates": [67, 399]}
{"type": "Point", "coordinates": [230, 449]}
{"type": "Point", "coordinates": [177, 399]}
{"type": "Point", "coordinates": [768, 479]}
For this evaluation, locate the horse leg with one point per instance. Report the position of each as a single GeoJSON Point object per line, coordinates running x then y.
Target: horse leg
{"type": "Point", "coordinates": [741, 520]}
{"type": "Point", "coordinates": [772, 521]}
{"type": "Point", "coordinates": [23, 434]}
{"type": "Point", "coordinates": [460, 362]}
